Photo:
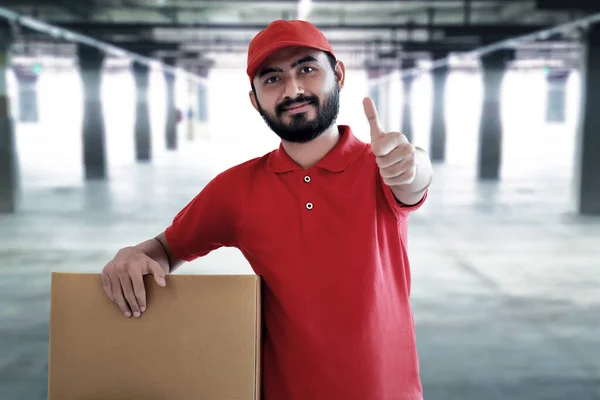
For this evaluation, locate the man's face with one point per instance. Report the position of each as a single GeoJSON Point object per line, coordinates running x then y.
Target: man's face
{"type": "Point", "coordinates": [297, 93]}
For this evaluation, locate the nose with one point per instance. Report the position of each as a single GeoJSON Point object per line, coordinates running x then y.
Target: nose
{"type": "Point", "coordinates": [292, 88]}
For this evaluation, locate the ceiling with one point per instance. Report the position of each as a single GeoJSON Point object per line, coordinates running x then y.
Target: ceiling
{"type": "Point", "coordinates": [221, 30]}
{"type": "Point", "coordinates": [321, 11]}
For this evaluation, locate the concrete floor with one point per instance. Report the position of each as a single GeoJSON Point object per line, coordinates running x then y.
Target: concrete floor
{"type": "Point", "coordinates": [506, 288]}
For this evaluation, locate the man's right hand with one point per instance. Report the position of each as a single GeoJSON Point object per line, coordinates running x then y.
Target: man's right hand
{"type": "Point", "coordinates": [122, 279]}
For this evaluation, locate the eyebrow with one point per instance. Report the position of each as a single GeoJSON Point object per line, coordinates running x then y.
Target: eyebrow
{"type": "Point", "coordinates": [304, 60]}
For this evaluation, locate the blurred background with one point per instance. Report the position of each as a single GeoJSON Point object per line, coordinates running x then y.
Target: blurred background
{"type": "Point", "coordinates": [115, 113]}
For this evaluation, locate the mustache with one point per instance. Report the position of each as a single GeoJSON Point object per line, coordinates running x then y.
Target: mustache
{"type": "Point", "coordinates": [298, 100]}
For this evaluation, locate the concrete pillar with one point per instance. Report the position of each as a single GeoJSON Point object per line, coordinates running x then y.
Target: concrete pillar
{"type": "Point", "coordinates": [556, 95]}
{"type": "Point", "coordinates": [192, 109]}
{"type": "Point", "coordinates": [28, 98]}
{"type": "Point", "coordinates": [8, 150]}
{"type": "Point", "coordinates": [384, 102]}
{"type": "Point", "coordinates": [171, 128]}
{"type": "Point", "coordinates": [143, 137]}
{"type": "Point", "coordinates": [437, 150]}
{"type": "Point", "coordinates": [407, 83]}
{"type": "Point", "coordinates": [374, 75]}
{"type": "Point", "coordinates": [202, 71]}
{"type": "Point", "coordinates": [374, 94]}
{"type": "Point", "coordinates": [94, 142]}
{"type": "Point", "coordinates": [202, 103]}
{"type": "Point", "coordinates": [490, 125]}
{"type": "Point", "coordinates": [587, 175]}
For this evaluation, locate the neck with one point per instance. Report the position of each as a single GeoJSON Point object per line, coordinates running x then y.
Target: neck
{"type": "Point", "coordinates": [308, 154]}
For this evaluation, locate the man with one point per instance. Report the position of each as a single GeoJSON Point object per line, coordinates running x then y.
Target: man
{"type": "Point", "coordinates": [323, 221]}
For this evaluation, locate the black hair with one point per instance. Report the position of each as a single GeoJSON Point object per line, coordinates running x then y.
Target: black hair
{"type": "Point", "coordinates": [332, 62]}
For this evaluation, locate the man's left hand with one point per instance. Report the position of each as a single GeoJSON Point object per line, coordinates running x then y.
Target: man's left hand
{"type": "Point", "coordinates": [394, 154]}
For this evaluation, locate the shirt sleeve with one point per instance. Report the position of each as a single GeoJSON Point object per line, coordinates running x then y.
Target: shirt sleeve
{"type": "Point", "coordinates": [401, 210]}
{"type": "Point", "coordinates": [208, 222]}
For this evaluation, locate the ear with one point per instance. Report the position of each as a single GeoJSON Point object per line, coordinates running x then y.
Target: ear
{"type": "Point", "coordinates": [253, 100]}
{"type": "Point", "coordinates": [340, 73]}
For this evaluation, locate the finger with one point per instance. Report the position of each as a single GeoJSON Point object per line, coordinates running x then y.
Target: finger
{"type": "Point", "coordinates": [373, 118]}
{"type": "Point", "coordinates": [129, 294]}
{"type": "Point", "coordinates": [154, 268]}
{"type": "Point", "coordinates": [399, 168]}
{"type": "Point", "coordinates": [139, 291]}
{"type": "Point", "coordinates": [107, 287]}
{"type": "Point", "coordinates": [404, 178]}
{"type": "Point", "coordinates": [118, 295]}
{"type": "Point", "coordinates": [388, 142]}
{"type": "Point", "coordinates": [395, 155]}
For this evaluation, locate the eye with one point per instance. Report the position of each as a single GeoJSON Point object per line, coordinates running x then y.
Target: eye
{"type": "Point", "coordinates": [307, 69]}
{"type": "Point", "coordinates": [271, 79]}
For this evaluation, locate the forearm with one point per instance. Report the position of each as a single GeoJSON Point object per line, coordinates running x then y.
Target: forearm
{"type": "Point", "coordinates": [413, 192]}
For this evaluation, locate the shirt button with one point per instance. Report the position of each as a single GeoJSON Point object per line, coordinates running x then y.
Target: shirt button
{"type": "Point", "coordinates": [309, 206]}
{"type": "Point", "coordinates": [307, 179]}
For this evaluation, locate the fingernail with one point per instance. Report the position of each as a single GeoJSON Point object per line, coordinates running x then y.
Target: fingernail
{"type": "Point", "coordinates": [143, 309]}
{"type": "Point", "coordinates": [162, 281]}
{"type": "Point", "coordinates": [128, 314]}
{"type": "Point", "coordinates": [136, 314]}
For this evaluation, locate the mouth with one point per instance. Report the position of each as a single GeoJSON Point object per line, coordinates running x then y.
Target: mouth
{"type": "Point", "coordinates": [298, 108]}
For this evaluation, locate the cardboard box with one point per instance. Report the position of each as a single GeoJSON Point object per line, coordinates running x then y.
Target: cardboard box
{"type": "Point", "coordinates": [199, 338]}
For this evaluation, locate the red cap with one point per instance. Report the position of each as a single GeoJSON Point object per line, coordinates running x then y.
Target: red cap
{"type": "Point", "coordinates": [280, 34]}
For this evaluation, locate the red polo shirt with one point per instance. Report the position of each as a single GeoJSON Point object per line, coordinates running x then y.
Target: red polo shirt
{"type": "Point", "coordinates": [330, 245]}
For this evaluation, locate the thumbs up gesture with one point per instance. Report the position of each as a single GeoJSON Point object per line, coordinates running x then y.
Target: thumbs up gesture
{"type": "Point", "coordinates": [394, 154]}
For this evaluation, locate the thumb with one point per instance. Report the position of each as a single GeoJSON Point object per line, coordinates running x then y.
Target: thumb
{"type": "Point", "coordinates": [157, 272]}
{"type": "Point", "coordinates": [373, 117]}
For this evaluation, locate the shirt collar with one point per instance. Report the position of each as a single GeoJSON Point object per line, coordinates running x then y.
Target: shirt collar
{"type": "Point", "coordinates": [348, 149]}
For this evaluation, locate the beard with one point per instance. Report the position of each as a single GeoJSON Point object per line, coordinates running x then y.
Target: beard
{"type": "Point", "coordinates": [301, 129]}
